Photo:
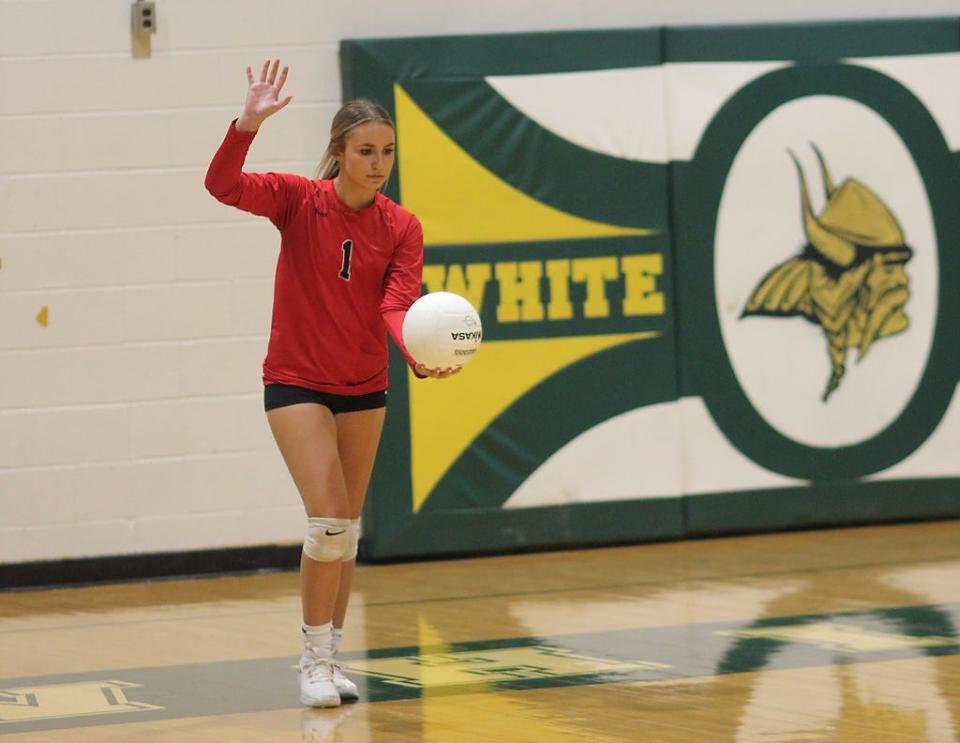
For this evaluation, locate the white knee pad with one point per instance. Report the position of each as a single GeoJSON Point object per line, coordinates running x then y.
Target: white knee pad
{"type": "Point", "coordinates": [354, 539]}
{"type": "Point", "coordinates": [328, 539]}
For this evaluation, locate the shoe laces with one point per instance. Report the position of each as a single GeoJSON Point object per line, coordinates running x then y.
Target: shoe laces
{"type": "Point", "coordinates": [317, 668]}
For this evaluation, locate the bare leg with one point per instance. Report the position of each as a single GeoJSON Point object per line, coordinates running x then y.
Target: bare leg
{"type": "Point", "coordinates": [347, 569]}
{"type": "Point", "coordinates": [358, 437]}
{"type": "Point", "coordinates": [307, 437]}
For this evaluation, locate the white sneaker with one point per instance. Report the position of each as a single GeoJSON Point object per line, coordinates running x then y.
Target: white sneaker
{"type": "Point", "coordinates": [347, 689]}
{"type": "Point", "coordinates": [317, 688]}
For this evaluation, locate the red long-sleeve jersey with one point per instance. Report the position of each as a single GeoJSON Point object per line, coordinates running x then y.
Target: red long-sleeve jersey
{"type": "Point", "coordinates": [344, 276]}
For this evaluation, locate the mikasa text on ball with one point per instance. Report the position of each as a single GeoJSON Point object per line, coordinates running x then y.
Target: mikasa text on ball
{"type": "Point", "coordinates": [442, 330]}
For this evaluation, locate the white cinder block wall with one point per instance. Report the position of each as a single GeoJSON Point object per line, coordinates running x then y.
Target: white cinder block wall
{"type": "Point", "coordinates": [131, 421]}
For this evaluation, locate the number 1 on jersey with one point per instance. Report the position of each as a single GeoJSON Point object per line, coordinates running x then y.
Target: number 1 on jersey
{"type": "Point", "coordinates": [347, 249]}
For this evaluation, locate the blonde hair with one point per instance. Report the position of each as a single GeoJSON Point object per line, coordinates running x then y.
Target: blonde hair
{"type": "Point", "coordinates": [352, 114]}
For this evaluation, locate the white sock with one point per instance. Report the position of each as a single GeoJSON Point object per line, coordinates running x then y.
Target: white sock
{"type": "Point", "coordinates": [337, 636]}
{"type": "Point", "coordinates": [318, 639]}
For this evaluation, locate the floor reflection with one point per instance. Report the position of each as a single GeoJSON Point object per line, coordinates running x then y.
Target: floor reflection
{"type": "Point", "coordinates": [791, 673]}
{"type": "Point", "coordinates": [841, 700]}
{"type": "Point", "coordinates": [849, 636]}
{"type": "Point", "coordinates": [325, 725]}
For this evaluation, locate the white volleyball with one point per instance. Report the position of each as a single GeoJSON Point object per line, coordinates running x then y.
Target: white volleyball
{"type": "Point", "coordinates": [442, 330]}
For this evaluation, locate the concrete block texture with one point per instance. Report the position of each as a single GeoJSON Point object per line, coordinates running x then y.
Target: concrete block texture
{"type": "Point", "coordinates": [134, 308]}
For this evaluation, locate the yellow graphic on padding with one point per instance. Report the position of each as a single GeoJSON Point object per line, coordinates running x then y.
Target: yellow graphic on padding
{"type": "Point", "coordinates": [459, 201]}
{"type": "Point", "coordinates": [446, 417]}
{"type": "Point", "coordinates": [43, 316]}
{"type": "Point", "coordinates": [29, 704]}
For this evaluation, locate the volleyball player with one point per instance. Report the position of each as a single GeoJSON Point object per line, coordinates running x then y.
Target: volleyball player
{"type": "Point", "coordinates": [349, 268]}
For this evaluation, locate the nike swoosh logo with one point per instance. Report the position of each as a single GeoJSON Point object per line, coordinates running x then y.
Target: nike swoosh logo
{"type": "Point", "coordinates": [335, 533]}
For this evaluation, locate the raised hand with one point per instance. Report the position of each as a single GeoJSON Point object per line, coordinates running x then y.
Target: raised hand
{"type": "Point", "coordinates": [263, 96]}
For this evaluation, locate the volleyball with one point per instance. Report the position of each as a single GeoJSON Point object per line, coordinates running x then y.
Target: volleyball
{"type": "Point", "coordinates": [442, 330]}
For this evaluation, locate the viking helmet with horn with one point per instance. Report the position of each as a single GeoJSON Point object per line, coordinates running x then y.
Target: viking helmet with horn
{"type": "Point", "coordinates": [833, 282]}
{"type": "Point", "coordinates": [854, 219]}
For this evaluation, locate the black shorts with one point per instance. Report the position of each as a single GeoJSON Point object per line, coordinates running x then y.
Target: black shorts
{"type": "Point", "coordinates": [281, 395]}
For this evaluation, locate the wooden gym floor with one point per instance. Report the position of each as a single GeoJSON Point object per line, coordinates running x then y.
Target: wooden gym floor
{"type": "Point", "coordinates": [842, 635]}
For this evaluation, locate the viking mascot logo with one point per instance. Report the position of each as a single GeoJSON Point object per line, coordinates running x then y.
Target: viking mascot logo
{"type": "Point", "coordinates": [850, 278]}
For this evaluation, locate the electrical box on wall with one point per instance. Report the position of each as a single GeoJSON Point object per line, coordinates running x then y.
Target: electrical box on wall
{"type": "Point", "coordinates": [143, 18]}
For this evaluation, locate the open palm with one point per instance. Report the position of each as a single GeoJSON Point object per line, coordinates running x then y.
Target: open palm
{"type": "Point", "coordinates": [263, 96]}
